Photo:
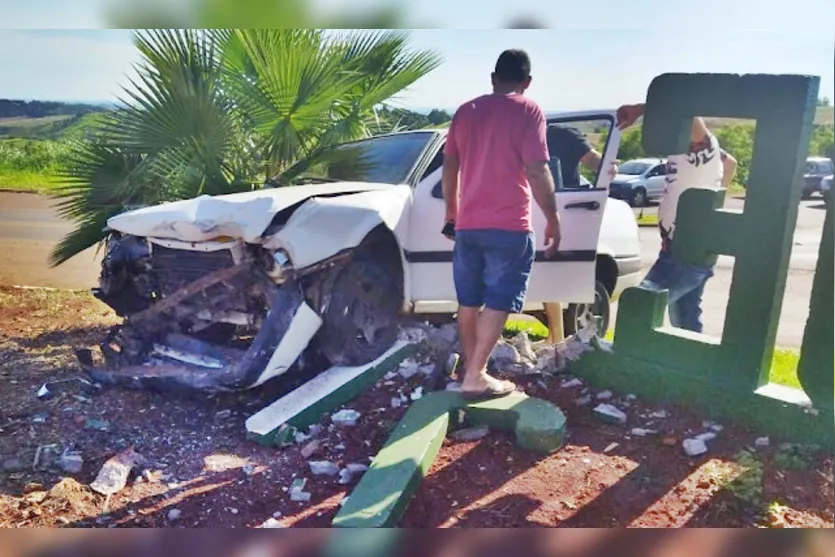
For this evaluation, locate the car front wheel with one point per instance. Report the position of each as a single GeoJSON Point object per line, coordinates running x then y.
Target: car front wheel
{"type": "Point", "coordinates": [580, 316]}
{"type": "Point", "coordinates": [360, 322]}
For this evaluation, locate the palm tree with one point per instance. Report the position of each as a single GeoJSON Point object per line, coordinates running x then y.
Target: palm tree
{"type": "Point", "coordinates": [222, 111]}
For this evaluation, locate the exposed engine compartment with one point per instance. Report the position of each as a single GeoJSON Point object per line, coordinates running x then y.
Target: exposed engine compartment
{"type": "Point", "coordinates": [225, 315]}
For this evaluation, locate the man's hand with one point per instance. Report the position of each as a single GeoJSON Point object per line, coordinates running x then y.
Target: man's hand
{"type": "Point", "coordinates": [613, 169]}
{"type": "Point", "coordinates": [628, 114]}
{"type": "Point", "coordinates": [552, 236]}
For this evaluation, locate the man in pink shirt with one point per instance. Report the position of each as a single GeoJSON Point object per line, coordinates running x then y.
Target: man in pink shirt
{"type": "Point", "coordinates": [496, 159]}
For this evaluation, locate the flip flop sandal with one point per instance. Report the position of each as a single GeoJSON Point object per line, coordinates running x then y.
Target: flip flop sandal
{"type": "Point", "coordinates": [489, 393]}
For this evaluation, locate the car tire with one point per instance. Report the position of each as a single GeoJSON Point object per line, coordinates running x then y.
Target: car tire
{"type": "Point", "coordinates": [639, 197]}
{"type": "Point", "coordinates": [577, 316]}
{"type": "Point", "coordinates": [361, 318]}
{"type": "Point", "coordinates": [826, 195]}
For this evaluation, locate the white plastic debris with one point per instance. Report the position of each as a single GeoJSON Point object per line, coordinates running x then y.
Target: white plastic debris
{"type": "Point", "coordinates": [609, 413]}
{"type": "Point", "coordinates": [417, 394]}
{"type": "Point", "coordinates": [604, 395]}
{"type": "Point", "coordinates": [762, 442]}
{"type": "Point", "coordinates": [571, 383]}
{"type": "Point", "coordinates": [694, 447]}
{"type": "Point", "coordinates": [660, 414]}
{"type": "Point", "coordinates": [323, 468]}
{"type": "Point", "coordinates": [174, 515]}
{"type": "Point", "coordinates": [346, 417]}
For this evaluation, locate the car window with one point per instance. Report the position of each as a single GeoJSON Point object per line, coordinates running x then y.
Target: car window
{"type": "Point", "coordinates": [659, 170]}
{"type": "Point", "coordinates": [827, 167]}
{"type": "Point", "coordinates": [386, 159]}
{"type": "Point", "coordinates": [569, 141]}
{"type": "Point", "coordinates": [633, 168]}
{"type": "Point", "coordinates": [436, 163]}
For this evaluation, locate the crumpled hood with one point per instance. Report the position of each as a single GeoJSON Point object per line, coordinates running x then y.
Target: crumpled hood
{"type": "Point", "coordinates": [239, 215]}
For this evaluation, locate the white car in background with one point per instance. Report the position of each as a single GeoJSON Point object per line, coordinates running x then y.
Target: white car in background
{"type": "Point", "coordinates": [826, 187]}
{"type": "Point", "coordinates": [227, 292]}
{"type": "Point", "coordinates": [639, 181]}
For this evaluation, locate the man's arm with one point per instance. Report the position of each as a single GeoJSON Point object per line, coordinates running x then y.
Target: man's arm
{"type": "Point", "coordinates": [628, 114]}
{"type": "Point", "coordinates": [542, 188]}
{"type": "Point", "coordinates": [729, 166]}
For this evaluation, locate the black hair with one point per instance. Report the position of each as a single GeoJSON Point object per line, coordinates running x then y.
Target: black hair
{"type": "Point", "coordinates": [513, 66]}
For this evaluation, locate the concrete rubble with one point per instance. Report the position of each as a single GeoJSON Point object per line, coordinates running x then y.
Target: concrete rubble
{"type": "Point", "coordinates": [345, 418]}
{"type": "Point", "coordinates": [609, 413]}
{"type": "Point", "coordinates": [323, 468]}
{"type": "Point", "coordinates": [114, 474]}
{"type": "Point", "coordinates": [471, 433]}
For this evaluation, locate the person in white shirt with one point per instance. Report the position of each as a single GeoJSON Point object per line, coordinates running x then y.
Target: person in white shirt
{"type": "Point", "coordinates": [705, 165]}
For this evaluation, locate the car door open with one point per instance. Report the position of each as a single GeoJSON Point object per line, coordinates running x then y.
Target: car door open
{"type": "Point", "coordinates": [570, 275]}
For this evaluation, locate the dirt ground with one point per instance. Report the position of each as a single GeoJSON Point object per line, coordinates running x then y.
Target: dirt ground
{"type": "Point", "coordinates": [200, 470]}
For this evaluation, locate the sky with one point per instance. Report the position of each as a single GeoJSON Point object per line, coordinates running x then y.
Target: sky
{"type": "Point", "coordinates": [595, 55]}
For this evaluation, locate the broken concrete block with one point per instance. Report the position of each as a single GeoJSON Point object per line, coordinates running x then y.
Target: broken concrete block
{"type": "Point", "coordinates": [522, 343]}
{"type": "Point", "coordinates": [571, 383]}
{"type": "Point", "coordinates": [270, 523]}
{"type": "Point", "coordinates": [604, 395]}
{"type": "Point", "coordinates": [694, 447]}
{"type": "Point", "coordinates": [323, 468]}
{"type": "Point", "coordinates": [113, 476]}
{"type": "Point", "coordinates": [383, 493]}
{"type": "Point", "coordinates": [300, 496]}
{"type": "Point", "coordinates": [324, 393]}
{"type": "Point", "coordinates": [471, 433]}
{"type": "Point", "coordinates": [503, 355]}
{"type": "Point", "coordinates": [345, 417]}
{"type": "Point", "coordinates": [416, 394]}
{"type": "Point", "coordinates": [705, 437]}
{"type": "Point", "coordinates": [642, 432]}
{"type": "Point", "coordinates": [609, 413]}
{"type": "Point", "coordinates": [71, 463]}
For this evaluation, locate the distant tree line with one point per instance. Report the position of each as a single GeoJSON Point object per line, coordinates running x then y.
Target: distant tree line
{"type": "Point", "coordinates": [40, 109]}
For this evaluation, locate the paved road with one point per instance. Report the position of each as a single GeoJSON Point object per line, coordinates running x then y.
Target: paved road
{"type": "Point", "coordinates": [29, 228]}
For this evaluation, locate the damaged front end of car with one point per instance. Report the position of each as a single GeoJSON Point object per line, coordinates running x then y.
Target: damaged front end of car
{"type": "Point", "coordinates": [213, 316]}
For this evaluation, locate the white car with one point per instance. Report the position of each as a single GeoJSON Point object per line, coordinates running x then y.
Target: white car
{"type": "Point", "coordinates": [639, 181]}
{"type": "Point", "coordinates": [227, 292]}
{"type": "Point", "coordinates": [826, 187]}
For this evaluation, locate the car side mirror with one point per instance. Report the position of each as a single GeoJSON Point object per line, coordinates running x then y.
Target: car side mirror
{"type": "Point", "coordinates": [438, 191]}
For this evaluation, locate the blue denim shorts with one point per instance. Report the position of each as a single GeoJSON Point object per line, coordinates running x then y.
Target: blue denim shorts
{"type": "Point", "coordinates": [492, 268]}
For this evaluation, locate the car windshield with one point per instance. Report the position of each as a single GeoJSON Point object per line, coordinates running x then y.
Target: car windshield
{"type": "Point", "coordinates": [385, 159]}
{"type": "Point", "coordinates": [633, 168]}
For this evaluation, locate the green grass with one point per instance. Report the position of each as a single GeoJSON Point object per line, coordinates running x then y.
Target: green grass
{"type": "Point", "coordinates": [783, 364]}
{"type": "Point", "coordinates": [24, 180]}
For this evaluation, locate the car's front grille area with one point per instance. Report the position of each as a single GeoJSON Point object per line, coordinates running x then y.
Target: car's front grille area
{"type": "Point", "coordinates": [176, 268]}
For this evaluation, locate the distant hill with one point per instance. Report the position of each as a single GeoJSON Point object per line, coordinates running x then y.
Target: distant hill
{"type": "Point", "coordinates": [40, 109]}
{"type": "Point", "coordinates": [45, 119]}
